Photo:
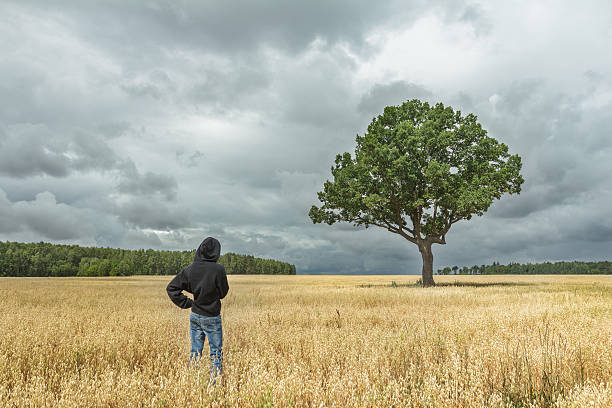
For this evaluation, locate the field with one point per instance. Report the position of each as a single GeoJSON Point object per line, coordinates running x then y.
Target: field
{"type": "Point", "coordinates": [312, 341]}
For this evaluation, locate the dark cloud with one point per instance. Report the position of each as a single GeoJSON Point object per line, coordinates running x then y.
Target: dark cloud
{"type": "Point", "coordinates": [44, 216]}
{"type": "Point", "coordinates": [152, 214]}
{"type": "Point", "coordinates": [594, 231]}
{"type": "Point", "coordinates": [8, 222]}
{"type": "Point", "coordinates": [32, 150]}
{"type": "Point", "coordinates": [111, 130]}
{"type": "Point", "coordinates": [237, 26]}
{"type": "Point", "coordinates": [156, 125]}
{"type": "Point", "coordinates": [149, 183]}
{"type": "Point", "coordinates": [555, 139]}
{"type": "Point", "coordinates": [314, 91]}
{"type": "Point", "coordinates": [228, 87]}
{"type": "Point", "coordinates": [520, 96]}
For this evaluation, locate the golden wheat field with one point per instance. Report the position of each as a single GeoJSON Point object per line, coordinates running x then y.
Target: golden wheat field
{"type": "Point", "coordinates": [312, 341]}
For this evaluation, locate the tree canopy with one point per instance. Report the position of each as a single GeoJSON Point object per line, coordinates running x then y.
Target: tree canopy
{"type": "Point", "coordinates": [45, 259]}
{"type": "Point", "coordinates": [418, 170]}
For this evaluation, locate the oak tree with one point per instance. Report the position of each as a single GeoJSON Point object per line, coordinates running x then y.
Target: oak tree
{"type": "Point", "coordinates": [418, 170]}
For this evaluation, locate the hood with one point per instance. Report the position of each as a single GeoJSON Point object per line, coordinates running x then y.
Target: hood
{"type": "Point", "coordinates": [209, 250]}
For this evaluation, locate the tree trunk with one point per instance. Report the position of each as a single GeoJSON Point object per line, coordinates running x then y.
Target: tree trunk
{"type": "Point", "coordinates": [427, 274]}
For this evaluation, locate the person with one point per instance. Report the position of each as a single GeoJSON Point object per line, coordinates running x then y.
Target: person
{"type": "Point", "coordinates": [207, 281]}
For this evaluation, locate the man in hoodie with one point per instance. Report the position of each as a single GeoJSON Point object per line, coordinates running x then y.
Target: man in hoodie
{"type": "Point", "coordinates": [207, 281]}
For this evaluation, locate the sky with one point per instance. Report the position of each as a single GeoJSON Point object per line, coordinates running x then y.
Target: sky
{"type": "Point", "coordinates": [154, 125]}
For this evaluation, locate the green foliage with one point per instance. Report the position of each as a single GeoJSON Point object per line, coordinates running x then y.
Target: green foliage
{"type": "Point", "coordinates": [45, 259]}
{"type": "Point", "coordinates": [445, 271]}
{"type": "Point", "coordinates": [546, 268]}
{"type": "Point", "coordinates": [418, 170]}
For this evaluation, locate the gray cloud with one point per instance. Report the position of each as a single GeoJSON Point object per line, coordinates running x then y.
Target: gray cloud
{"type": "Point", "coordinates": [222, 86]}
{"type": "Point", "coordinates": [141, 239]}
{"type": "Point", "coordinates": [31, 150]}
{"type": "Point", "coordinates": [555, 138]}
{"type": "Point", "coordinates": [394, 93]}
{"type": "Point", "coordinates": [152, 214]}
{"type": "Point", "coordinates": [136, 125]}
{"type": "Point", "coordinates": [155, 84]}
{"type": "Point", "coordinates": [146, 184]}
{"type": "Point", "coordinates": [189, 159]}
{"type": "Point", "coordinates": [8, 223]}
{"type": "Point", "coordinates": [320, 97]}
{"type": "Point", "coordinates": [475, 15]}
{"type": "Point", "coordinates": [237, 26]}
{"type": "Point", "coordinates": [34, 150]}
{"type": "Point", "coordinates": [44, 216]}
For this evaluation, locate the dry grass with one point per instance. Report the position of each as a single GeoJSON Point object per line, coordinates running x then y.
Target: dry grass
{"type": "Point", "coordinates": [308, 341]}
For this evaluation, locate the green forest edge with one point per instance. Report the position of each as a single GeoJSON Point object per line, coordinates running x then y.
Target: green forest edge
{"type": "Point", "coordinates": [547, 268]}
{"type": "Point", "coordinates": [45, 259]}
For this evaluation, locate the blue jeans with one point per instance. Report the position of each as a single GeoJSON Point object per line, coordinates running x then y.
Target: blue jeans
{"type": "Point", "coordinates": [202, 327]}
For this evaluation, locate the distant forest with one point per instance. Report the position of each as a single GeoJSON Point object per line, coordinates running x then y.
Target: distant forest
{"type": "Point", "coordinates": [547, 268]}
{"type": "Point", "coordinates": [45, 259]}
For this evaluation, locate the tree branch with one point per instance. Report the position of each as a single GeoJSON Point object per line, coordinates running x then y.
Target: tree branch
{"type": "Point", "coordinates": [392, 197]}
{"type": "Point", "coordinates": [450, 222]}
{"type": "Point", "coordinates": [416, 222]}
{"type": "Point", "coordinates": [408, 237]}
{"type": "Point", "coordinates": [371, 222]}
{"type": "Point", "coordinates": [389, 227]}
{"type": "Point", "coordinates": [400, 220]}
{"type": "Point", "coordinates": [435, 211]}
{"type": "Point", "coordinates": [436, 239]}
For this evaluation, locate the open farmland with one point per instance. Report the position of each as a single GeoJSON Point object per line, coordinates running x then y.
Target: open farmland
{"type": "Point", "coordinates": [310, 341]}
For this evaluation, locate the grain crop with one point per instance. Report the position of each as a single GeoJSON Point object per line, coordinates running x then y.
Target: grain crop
{"type": "Point", "coordinates": [312, 341]}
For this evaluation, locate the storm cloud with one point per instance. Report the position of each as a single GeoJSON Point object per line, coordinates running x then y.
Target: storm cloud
{"type": "Point", "coordinates": [138, 126]}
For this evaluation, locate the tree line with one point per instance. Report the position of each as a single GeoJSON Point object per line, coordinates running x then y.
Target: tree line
{"type": "Point", "coordinates": [46, 259]}
{"type": "Point", "coordinates": [546, 268]}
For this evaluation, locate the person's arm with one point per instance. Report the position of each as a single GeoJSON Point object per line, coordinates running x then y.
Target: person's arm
{"type": "Point", "coordinates": [222, 285]}
{"type": "Point", "coordinates": [175, 290]}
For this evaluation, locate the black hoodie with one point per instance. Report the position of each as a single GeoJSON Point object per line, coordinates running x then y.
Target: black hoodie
{"type": "Point", "coordinates": [204, 278]}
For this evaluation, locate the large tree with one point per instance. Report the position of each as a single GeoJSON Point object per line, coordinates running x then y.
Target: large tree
{"type": "Point", "coordinates": [418, 170]}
